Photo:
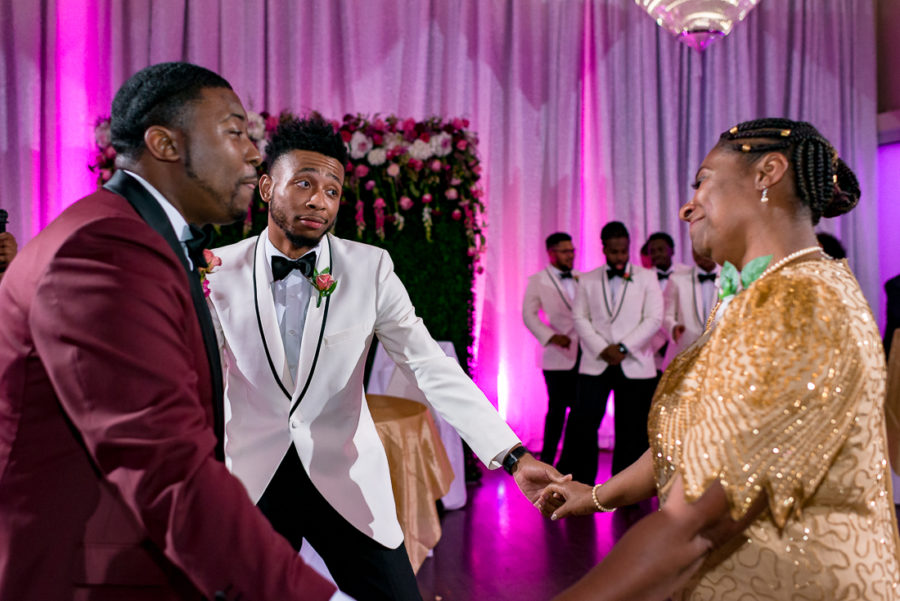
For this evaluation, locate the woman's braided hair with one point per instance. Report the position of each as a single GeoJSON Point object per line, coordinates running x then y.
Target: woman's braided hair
{"type": "Point", "coordinates": [823, 181]}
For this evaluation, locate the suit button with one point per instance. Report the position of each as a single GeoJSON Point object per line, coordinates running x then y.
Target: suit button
{"type": "Point", "coordinates": [294, 424]}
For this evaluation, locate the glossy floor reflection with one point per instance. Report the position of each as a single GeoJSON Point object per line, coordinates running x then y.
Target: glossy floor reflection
{"type": "Point", "coordinates": [499, 546]}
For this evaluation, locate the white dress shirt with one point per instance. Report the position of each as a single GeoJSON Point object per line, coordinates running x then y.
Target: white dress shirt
{"type": "Point", "coordinates": [708, 294]}
{"type": "Point", "coordinates": [291, 297]}
{"type": "Point", "coordinates": [176, 219]}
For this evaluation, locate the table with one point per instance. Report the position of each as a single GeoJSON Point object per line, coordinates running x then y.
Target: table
{"type": "Point", "coordinates": [385, 378]}
{"type": "Point", "coordinates": [420, 470]}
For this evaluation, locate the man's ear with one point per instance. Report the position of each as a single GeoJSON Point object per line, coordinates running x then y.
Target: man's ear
{"type": "Point", "coordinates": [265, 187]}
{"type": "Point", "coordinates": [163, 143]}
{"type": "Point", "coordinates": [770, 169]}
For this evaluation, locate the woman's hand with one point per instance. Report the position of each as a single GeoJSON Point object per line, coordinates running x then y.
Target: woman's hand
{"type": "Point", "coordinates": [563, 499]}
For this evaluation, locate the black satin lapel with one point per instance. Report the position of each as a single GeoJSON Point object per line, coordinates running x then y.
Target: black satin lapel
{"type": "Point", "coordinates": [146, 206]}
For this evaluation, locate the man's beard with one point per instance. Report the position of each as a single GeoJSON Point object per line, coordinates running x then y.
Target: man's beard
{"type": "Point", "coordinates": [298, 241]}
{"type": "Point", "coordinates": [235, 212]}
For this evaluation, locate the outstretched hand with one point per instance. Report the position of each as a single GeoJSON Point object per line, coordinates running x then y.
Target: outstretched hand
{"type": "Point", "coordinates": [533, 476]}
{"type": "Point", "coordinates": [562, 499]}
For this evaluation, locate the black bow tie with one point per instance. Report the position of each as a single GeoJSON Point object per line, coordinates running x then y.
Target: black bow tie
{"type": "Point", "coordinates": [196, 245]}
{"type": "Point", "coordinates": [612, 272]}
{"type": "Point", "coordinates": [706, 277]}
{"type": "Point", "coordinates": [565, 275]}
{"type": "Point", "coordinates": [662, 276]}
{"type": "Point", "coordinates": [281, 266]}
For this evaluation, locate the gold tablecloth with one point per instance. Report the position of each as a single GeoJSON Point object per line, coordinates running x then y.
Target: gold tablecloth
{"type": "Point", "coordinates": [420, 470]}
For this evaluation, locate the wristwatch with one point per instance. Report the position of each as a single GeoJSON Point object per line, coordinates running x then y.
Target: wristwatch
{"type": "Point", "coordinates": [512, 458]}
{"type": "Point", "coordinates": [623, 349]}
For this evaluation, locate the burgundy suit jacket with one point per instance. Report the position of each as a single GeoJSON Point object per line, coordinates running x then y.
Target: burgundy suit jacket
{"type": "Point", "coordinates": [109, 488]}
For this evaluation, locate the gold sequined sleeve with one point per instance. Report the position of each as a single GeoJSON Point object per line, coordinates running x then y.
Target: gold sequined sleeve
{"type": "Point", "coordinates": [778, 397]}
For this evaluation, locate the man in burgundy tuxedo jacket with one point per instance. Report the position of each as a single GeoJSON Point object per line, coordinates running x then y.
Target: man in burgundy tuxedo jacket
{"type": "Point", "coordinates": [111, 479]}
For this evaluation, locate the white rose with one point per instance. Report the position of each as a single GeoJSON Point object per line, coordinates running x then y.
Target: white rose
{"type": "Point", "coordinates": [360, 144]}
{"type": "Point", "coordinates": [420, 150]}
{"type": "Point", "coordinates": [442, 144]}
{"type": "Point", "coordinates": [377, 156]}
{"type": "Point", "coordinates": [256, 126]}
{"type": "Point", "coordinates": [392, 141]}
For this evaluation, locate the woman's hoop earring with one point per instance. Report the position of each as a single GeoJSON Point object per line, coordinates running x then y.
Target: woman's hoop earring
{"type": "Point", "coordinates": [765, 196]}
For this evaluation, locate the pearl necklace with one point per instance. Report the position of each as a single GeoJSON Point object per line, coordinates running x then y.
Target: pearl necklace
{"type": "Point", "coordinates": [794, 255]}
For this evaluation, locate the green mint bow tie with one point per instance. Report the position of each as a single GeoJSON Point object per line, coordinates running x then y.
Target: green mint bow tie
{"type": "Point", "coordinates": [733, 281]}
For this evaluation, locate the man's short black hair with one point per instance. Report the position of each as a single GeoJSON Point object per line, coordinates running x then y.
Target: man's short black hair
{"type": "Point", "coordinates": [661, 236]}
{"type": "Point", "coordinates": [831, 245]}
{"type": "Point", "coordinates": [313, 133]}
{"type": "Point", "coordinates": [613, 229]}
{"type": "Point", "coordinates": [554, 239]}
{"type": "Point", "coordinates": [156, 95]}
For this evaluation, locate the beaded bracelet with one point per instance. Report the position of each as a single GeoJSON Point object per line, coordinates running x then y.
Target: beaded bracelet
{"type": "Point", "coordinates": [600, 507]}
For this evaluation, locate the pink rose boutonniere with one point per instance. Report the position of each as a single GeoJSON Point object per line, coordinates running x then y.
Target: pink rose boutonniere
{"type": "Point", "coordinates": [212, 263]}
{"type": "Point", "coordinates": [627, 277]}
{"type": "Point", "coordinates": [324, 283]}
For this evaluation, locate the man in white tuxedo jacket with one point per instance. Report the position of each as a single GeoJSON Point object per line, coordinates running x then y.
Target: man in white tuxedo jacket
{"type": "Point", "coordinates": [689, 298]}
{"type": "Point", "coordinates": [618, 308]}
{"type": "Point", "coordinates": [296, 310]}
{"type": "Point", "coordinates": [661, 250]}
{"type": "Point", "coordinates": [552, 291]}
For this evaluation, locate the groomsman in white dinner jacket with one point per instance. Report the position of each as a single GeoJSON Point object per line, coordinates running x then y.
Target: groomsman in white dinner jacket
{"type": "Point", "coordinates": [689, 298]}
{"type": "Point", "coordinates": [551, 291]}
{"type": "Point", "coordinates": [661, 250]}
{"type": "Point", "coordinates": [618, 308]}
{"type": "Point", "coordinates": [294, 344]}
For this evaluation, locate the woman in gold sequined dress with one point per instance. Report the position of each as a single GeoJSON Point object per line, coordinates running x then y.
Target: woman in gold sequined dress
{"type": "Point", "coordinates": [767, 436]}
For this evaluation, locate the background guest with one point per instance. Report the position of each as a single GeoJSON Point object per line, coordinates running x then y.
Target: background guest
{"type": "Point", "coordinates": [831, 245]}
{"type": "Point", "coordinates": [892, 288]}
{"type": "Point", "coordinates": [8, 249]}
{"type": "Point", "coordinates": [552, 291]}
{"type": "Point", "coordinates": [661, 249]}
{"type": "Point", "coordinates": [689, 298]}
{"type": "Point", "coordinates": [768, 437]}
{"type": "Point", "coordinates": [618, 307]}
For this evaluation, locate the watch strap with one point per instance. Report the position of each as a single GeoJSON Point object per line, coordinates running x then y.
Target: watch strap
{"type": "Point", "coordinates": [512, 458]}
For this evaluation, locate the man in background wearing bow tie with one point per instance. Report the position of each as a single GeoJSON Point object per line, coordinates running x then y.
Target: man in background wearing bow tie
{"type": "Point", "coordinates": [689, 298]}
{"type": "Point", "coordinates": [618, 308]}
{"type": "Point", "coordinates": [297, 309]}
{"type": "Point", "coordinates": [552, 291]}
{"type": "Point", "coordinates": [661, 249]}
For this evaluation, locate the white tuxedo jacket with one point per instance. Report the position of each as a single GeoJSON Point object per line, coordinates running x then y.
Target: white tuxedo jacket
{"type": "Point", "coordinates": [632, 320]}
{"type": "Point", "coordinates": [331, 426]}
{"type": "Point", "coordinates": [684, 305]}
{"type": "Point", "coordinates": [660, 338]}
{"type": "Point", "coordinates": [545, 292]}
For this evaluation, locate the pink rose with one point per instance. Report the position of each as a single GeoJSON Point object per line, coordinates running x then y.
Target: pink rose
{"type": "Point", "coordinates": [271, 123]}
{"type": "Point", "coordinates": [212, 261]}
{"type": "Point", "coordinates": [461, 145]}
{"type": "Point", "coordinates": [324, 281]}
{"type": "Point", "coordinates": [426, 199]}
{"type": "Point", "coordinates": [456, 214]}
{"type": "Point", "coordinates": [407, 125]}
{"type": "Point", "coordinates": [416, 164]}
{"type": "Point", "coordinates": [455, 181]}
{"type": "Point", "coordinates": [452, 194]}
{"type": "Point", "coordinates": [377, 139]}
{"type": "Point", "coordinates": [345, 136]}
{"type": "Point", "coordinates": [109, 152]}
{"type": "Point", "coordinates": [206, 291]}
{"type": "Point", "coordinates": [393, 170]}
{"type": "Point", "coordinates": [406, 203]}
{"type": "Point", "coordinates": [435, 165]}
{"type": "Point", "coordinates": [370, 184]}
{"type": "Point", "coordinates": [105, 174]}
{"type": "Point", "coordinates": [379, 203]}
{"type": "Point", "coordinates": [361, 170]}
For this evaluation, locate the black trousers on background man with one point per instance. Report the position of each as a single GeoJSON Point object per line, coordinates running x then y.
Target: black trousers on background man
{"type": "Point", "coordinates": [361, 567]}
{"type": "Point", "coordinates": [633, 397]}
{"type": "Point", "coordinates": [561, 390]}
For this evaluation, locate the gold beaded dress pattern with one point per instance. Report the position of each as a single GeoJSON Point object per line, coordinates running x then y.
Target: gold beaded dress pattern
{"type": "Point", "coordinates": [785, 394]}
